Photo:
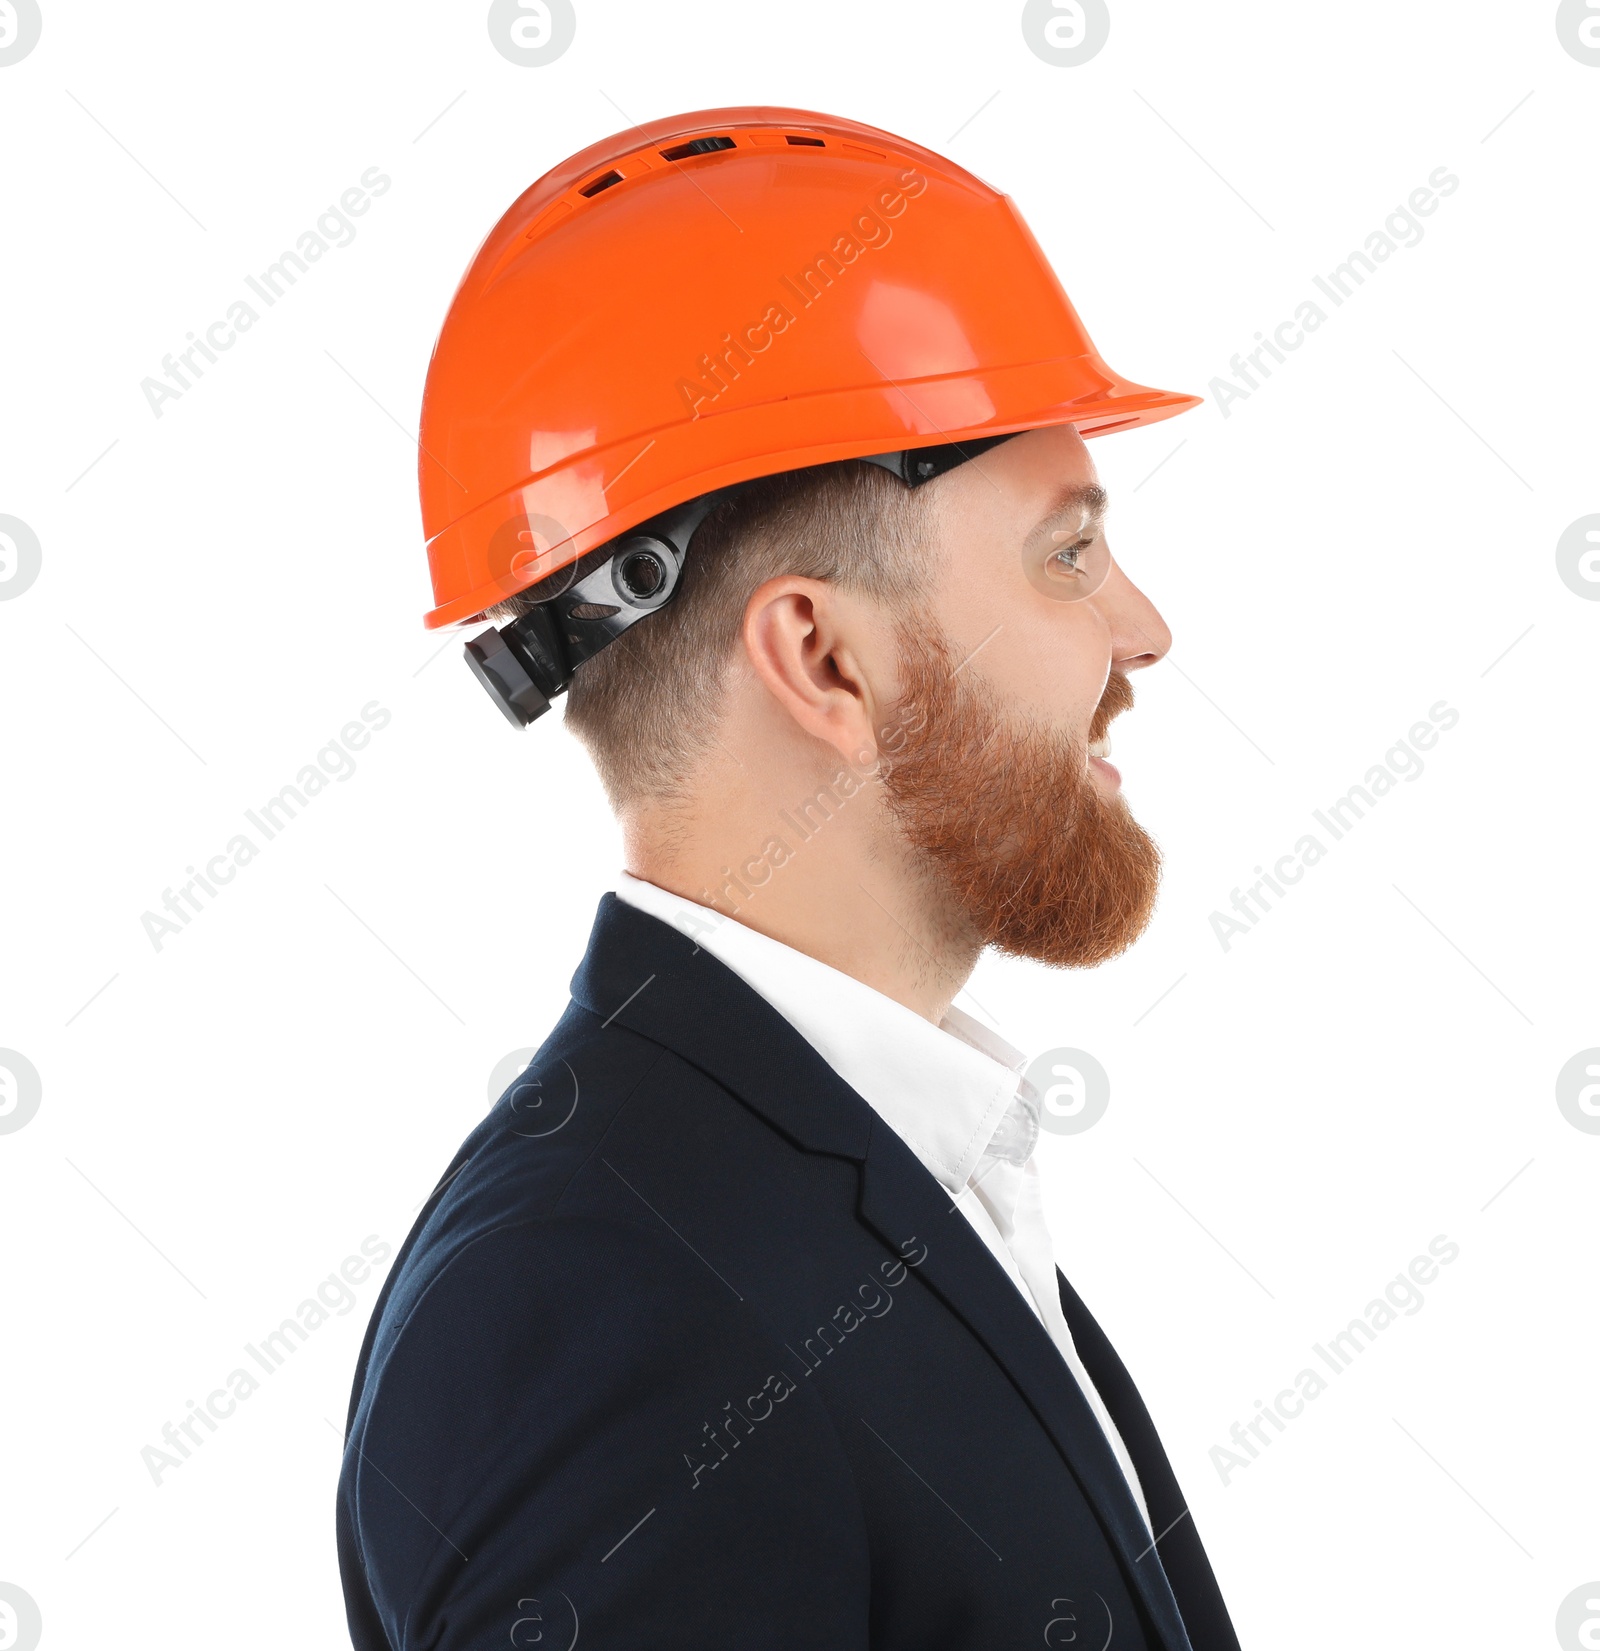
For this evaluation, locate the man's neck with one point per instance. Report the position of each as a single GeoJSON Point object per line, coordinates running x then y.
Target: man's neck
{"type": "Point", "coordinates": [825, 889]}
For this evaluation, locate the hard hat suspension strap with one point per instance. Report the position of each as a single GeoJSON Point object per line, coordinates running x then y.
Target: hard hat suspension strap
{"type": "Point", "coordinates": [525, 664]}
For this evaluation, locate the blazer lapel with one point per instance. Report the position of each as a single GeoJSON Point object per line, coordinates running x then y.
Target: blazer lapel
{"type": "Point", "coordinates": [645, 975]}
{"type": "Point", "coordinates": [1183, 1557]}
{"type": "Point", "coordinates": [905, 1206]}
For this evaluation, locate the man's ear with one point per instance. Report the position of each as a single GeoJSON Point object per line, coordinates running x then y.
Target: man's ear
{"type": "Point", "coordinates": [802, 637]}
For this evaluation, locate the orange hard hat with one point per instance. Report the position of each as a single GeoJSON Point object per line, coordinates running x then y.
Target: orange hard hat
{"type": "Point", "coordinates": [718, 296]}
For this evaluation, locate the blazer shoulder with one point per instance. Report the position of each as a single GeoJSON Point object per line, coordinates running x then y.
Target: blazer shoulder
{"type": "Point", "coordinates": [558, 1378]}
{"type": "Point", "coordinates": [551, 1118]}
{"type": "Point", "coordinates": [553, 1123]}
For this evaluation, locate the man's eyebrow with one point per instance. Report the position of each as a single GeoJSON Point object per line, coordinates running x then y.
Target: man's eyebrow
{"type": "Point", "coordinates": [1083, 501]}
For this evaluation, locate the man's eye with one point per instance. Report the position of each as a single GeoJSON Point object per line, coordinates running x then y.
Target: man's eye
{"type": "Point", "coordinates": [1069, 559]}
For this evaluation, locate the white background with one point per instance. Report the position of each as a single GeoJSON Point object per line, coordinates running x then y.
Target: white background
{"type": "Point", "coordinates": [222, 588]}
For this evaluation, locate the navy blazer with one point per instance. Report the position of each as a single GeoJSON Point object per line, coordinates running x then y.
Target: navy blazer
{"type": "Point", "coordinates": [688, 1350]}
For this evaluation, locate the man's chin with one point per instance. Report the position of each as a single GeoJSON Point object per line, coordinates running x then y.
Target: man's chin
{"type": "Point", "coordinates": [1089, 899]}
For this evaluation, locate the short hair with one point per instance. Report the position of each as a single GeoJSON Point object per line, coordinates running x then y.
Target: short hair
{"type": "Point", "coordinates": [646, 707]}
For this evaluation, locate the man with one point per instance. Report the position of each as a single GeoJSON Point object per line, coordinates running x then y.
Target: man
{"type": "Point", "coordinates": [736, 1322]}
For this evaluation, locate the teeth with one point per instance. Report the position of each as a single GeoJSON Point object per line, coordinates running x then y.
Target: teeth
{"type": "Point", "coordinates": [1100, 748]}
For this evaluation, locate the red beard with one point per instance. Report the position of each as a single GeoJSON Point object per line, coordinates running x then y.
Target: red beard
{"type": "Point", "coordinates": [1032, 853]}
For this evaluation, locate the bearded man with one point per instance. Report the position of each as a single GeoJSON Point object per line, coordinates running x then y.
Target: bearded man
{"type": "Point", "coordinates": [737, 1321]}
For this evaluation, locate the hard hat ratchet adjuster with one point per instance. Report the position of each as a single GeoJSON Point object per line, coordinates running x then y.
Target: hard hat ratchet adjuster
{"type": "Point", "coordinates": [525, 664]}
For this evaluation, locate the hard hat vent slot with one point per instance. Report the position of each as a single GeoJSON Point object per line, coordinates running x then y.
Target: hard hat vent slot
{"type": "Point", "coordinates": [604, 181]}
{"type": "Point", "coordinates": [696, 146]}
{"type": "Point", "coordinates": [804, 143]}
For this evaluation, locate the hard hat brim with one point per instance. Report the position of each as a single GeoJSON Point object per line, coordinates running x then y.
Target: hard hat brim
{"type": "Point", "coordinates": [456, 555]}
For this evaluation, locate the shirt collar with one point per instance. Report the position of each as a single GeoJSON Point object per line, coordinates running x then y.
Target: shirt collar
{"type": "Point", "coordinates": [943, 1089]}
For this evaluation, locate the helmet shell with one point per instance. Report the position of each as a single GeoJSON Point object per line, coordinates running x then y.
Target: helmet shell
{"type": "Point", "coordinates": [723, 295]}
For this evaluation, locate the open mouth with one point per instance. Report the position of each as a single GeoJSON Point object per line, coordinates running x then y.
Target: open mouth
{"type": "Point", "coordinates": [1099, 750]}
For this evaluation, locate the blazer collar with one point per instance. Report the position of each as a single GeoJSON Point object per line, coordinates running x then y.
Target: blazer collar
{"type": "Point", "coordinates": [943, 1089]}
{"type": "Point", "coordinates": [643, 974]}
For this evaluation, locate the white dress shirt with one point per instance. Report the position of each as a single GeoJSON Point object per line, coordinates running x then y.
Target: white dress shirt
{"type": "Point", "coordinates": [953, 1093]}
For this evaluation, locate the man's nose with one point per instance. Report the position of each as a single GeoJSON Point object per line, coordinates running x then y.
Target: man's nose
{"type": "Point", "coordinates": [1139, 635]}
